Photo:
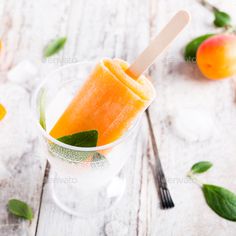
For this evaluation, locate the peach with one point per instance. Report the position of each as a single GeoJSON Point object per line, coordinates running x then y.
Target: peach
{"type": "Point", "coordinates": [2, 111]}
{"type": "Point", "coordinates": [216, 57]}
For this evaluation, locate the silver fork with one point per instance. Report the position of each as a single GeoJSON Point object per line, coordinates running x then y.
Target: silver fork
{"type": "Point", "coordinates": [164, 193]}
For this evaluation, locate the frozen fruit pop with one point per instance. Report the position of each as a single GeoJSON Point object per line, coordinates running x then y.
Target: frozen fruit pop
{"type": "Point", "coordinates": [109, 101]}
{"type": "Point", "coordinates": [115, 94]}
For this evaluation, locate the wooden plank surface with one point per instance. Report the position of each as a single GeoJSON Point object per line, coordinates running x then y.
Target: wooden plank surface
{"type": "Point", "coordinates": [109, 33]}
{"type": "Point", "coordinates": [117, 29]}
{"type": "Point", "coordinates": [182, 90]}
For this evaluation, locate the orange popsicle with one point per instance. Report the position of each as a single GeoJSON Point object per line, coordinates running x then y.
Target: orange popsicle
{"type": "Point", "coordinates": [109, 101]}
{"type": "Point", "coordinates": [115, 94]}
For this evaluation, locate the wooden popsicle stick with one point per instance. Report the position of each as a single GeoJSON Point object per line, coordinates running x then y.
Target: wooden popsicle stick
{"type": "Point", "coordinates": [159, 44]}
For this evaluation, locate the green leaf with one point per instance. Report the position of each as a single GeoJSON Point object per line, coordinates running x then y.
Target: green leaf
{"type": "Point", "coordinates": [192, 47]}
{"type": "Point", "coordinates": [221, 201]}
{"type": "Point", "coordinates": [54, 47]}
{"type": "Point", "coordinates": [201, 167]}
{"type": "Point", "coordinates": [221, 19]}
{"type": "Point", "coordinates": [42, 104]}
{"type": "Point", "coordinates": [81, 139]}
{"type": "Point", "coordinates": [20, 209]}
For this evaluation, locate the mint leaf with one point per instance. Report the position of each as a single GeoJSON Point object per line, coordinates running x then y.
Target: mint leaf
{"type": "Point", "coordinates": [221, 19]}
{"type": "Point", "coordinates": [192, 47]}
{"type": "Point", "coordinates": [54, 47]}
{"type": "Point", "coordinates": [201, 167]}
{"type": "Point", "coordinates": [81, 139]}
{"type": "Point", "coordinates": [221, 201]}
{"type": "Point", "coordinates": [20, 209]}
{"type": "Point", "coordinates": [42, 104]}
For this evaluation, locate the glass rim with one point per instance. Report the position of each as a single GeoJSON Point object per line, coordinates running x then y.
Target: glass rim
{"type": "Point", "coordinates": [67, 146]}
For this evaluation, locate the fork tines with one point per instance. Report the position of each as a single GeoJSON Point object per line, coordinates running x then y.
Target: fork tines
{"type": "Point", "coordinates": [166, 200]}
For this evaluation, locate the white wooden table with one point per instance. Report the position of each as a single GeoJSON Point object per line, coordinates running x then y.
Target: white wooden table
{"type": "Point", "coordinates": [118, 28]}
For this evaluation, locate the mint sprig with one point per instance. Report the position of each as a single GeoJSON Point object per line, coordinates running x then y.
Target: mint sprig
{"type": "Point", "coordinates": [221, 200]}
{"type": "Point", "coordinates": [222, 19]}
{"type": "Point", "coordinates": [20, 209]}
{"type": "Point", "coordinates": [201, 167]}
{"type": "Point", "coordinates": [54, 47]}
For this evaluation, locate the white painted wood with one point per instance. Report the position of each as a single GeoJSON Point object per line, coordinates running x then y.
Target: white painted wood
{"type": "Point", "coordinates": [180, 88]}
{"type": "Point", "coordinates": [157, 45]}
{"type": "Point", "coordinates": [105, 30]}
{"type": "Point", "coordinates": [117, 29]}
{"type": "Point", "coordinates": [22, 165]}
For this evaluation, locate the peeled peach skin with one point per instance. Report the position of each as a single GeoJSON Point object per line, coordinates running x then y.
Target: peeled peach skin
{"type": "Point", "coordinates": [216, 57]}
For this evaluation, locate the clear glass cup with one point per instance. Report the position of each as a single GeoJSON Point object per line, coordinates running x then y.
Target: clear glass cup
{"type": "Point", "coordinates": [86, 181]}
